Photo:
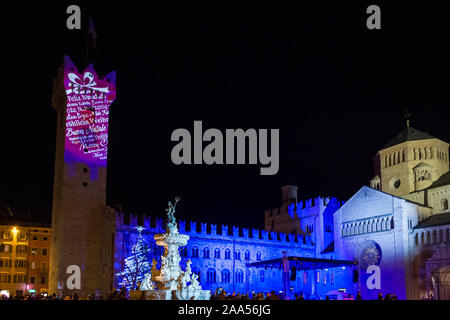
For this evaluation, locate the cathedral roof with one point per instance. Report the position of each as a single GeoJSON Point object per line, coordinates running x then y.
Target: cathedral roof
{"type": "Point", "coordinates": [408, 134]}
{"type": "Point", "coordinates": [442, 181]}
{"type": "Point", "coordinates": [435, 220]}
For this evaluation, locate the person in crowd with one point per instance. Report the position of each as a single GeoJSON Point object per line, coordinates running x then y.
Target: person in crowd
{"type": "Point", "coordinates": [358, 296]}
{"type": "Point", "coordinates": [380, 296]}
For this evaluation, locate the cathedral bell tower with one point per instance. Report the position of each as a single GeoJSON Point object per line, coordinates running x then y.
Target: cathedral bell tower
{"type": "Point", "coordinates": [82, 224]}
{"type": "Point", "coordinates": [410, 162]}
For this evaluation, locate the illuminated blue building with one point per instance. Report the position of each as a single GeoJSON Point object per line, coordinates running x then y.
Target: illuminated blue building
{"type": "Point", "coordinates": [400, 224]}
{"type": "Point", "coordinates": [222, 257]}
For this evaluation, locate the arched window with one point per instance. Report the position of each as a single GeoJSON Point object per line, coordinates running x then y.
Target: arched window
{"type": "Point", "coordinates": [416, 239]}
{"type": "Point", "coordinates": [392, 223]}
{"type": "Point", "coordinates": [403, 156]}
{"type": "Point", "coordinates": [390, 160]}
{"type": "Point", "coordinates": [258, 256]}
{"type": "Point", "coordinates": [195, 252]}
{"type": "Point", "coordinates": [422, 238]}
{"type": "Point", "coordinates": [227, 254]}
{"type": "Point", "coordinates": [211, 275]}
{"type": "Point", "coordinates": [239, 277]}
{"type": "Point", "coordinates": [183, 251]}
{"type": "Point", "coordinates": [383, 225]}
{"type": "Point", "coordinates": [247, 255]}
{"type": "Point", "coordinates": [226, 276]}
{"type": "Point", "coordinates": [237, 255]}
{"type": "Point", "coordinates": [428, 237]}
{"type": "Point", "coordinates": [217, 253]}
{"type": "Point", "coordinates": [444, 204]}
{"type": "Point", "coordinates": [206, 252]}
{"type": "Point", "coordinates": [441, 235]}
{"type": "Point", "coordinates": [435, 236]}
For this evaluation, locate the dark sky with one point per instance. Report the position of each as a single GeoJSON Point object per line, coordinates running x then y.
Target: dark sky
{"type": "Point", "coordinates": [336, 90]}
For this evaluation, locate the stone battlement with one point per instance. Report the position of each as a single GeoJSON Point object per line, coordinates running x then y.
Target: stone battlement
{"type": "Point", "coordinates": [209, 230]}
{"type": "Point", "coordinates": [305, 207]}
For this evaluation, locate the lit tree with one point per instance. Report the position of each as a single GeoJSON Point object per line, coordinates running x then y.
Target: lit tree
{"type": "Point", "coordinates": [136, 266]}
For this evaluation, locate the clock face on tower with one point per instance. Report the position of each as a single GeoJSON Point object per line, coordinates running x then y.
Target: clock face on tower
{"type": "Point", "coordinates": [370, 254]}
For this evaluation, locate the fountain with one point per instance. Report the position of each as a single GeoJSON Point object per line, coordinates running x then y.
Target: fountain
{"type": "Point", "coordinates": [170, 282]}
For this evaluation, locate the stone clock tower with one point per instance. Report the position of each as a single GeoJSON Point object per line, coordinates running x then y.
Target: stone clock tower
{"type": "Point", "coordinates": [82, 224]}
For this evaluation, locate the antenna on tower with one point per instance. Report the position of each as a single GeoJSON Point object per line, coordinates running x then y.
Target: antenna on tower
{"type": "Point", "coordinates": [408, 118]}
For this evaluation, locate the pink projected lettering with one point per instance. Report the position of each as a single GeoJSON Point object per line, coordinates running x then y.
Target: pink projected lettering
{"type": "Point", "coordinates": [88, 102]}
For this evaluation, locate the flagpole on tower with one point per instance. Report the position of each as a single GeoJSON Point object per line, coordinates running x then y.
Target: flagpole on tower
{"type": "Point", "coordinates": [91, 33]}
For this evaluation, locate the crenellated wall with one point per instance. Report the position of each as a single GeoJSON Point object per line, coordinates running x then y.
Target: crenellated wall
{"type": "Point", "coordinates": [211, 231]}
{"type": "Point", "coordinates": [220, 254]}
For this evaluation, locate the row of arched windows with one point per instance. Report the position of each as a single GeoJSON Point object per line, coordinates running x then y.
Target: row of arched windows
{"type": "Point", "coordinates": [442, 155]}
{"type": "Point", "coordinates": [217, 253]}
{"type": "Point", "coordinates": [225, 275]}
{"type": "Point", "coordinates": [394, 158]}
{"type": "Point", "coordinates": [368, 226]}
{"type": "Point", "coordinates": [423, 153]}
{"type": "Point", "coordinates": [423, 175]}
{"type": "Point", "coordinates": [431, 237]}
{"type": "Point", "coordinates": [418, 154]}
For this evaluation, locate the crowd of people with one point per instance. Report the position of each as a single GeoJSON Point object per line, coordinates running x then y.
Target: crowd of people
{"type": "Point", "coordinates": [222, 295]}
{"type": "Point", "coordinates": [114, 295]}
{"type": "Point", "coordinates": [219, 294]}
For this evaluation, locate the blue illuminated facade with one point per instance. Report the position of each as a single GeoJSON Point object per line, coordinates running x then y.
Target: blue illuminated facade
{"type": "Point", "coordinates": [221, 256]}
{"type": "Point", "coordinates": [397, 231]}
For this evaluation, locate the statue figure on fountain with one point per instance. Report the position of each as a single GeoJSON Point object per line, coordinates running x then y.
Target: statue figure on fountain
{"type": "Point", "coordinates": [171, 226]}
{"type": "Point", "coordinates": [147, 283]}
{"type": "Point", "coordinates": [170, 281]}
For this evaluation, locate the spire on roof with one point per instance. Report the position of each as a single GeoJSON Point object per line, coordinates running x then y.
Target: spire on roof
{"type": "Point", "coordinates": [407, 117]}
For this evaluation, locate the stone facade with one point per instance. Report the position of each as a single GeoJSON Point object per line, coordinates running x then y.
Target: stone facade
{"type": "Point", "coordinates": [410, 166]}
{"type": "Point", "coordinates": [221, 256]}
{"type": "Point", "coordinates": [82, 224]}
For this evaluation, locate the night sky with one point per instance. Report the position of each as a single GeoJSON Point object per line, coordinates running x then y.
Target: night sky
{"type": "Point", "coordinates": [336, 90]}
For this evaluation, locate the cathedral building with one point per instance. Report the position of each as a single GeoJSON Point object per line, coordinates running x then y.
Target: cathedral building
{"type": "Point", "coordinates": [401, 224]}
